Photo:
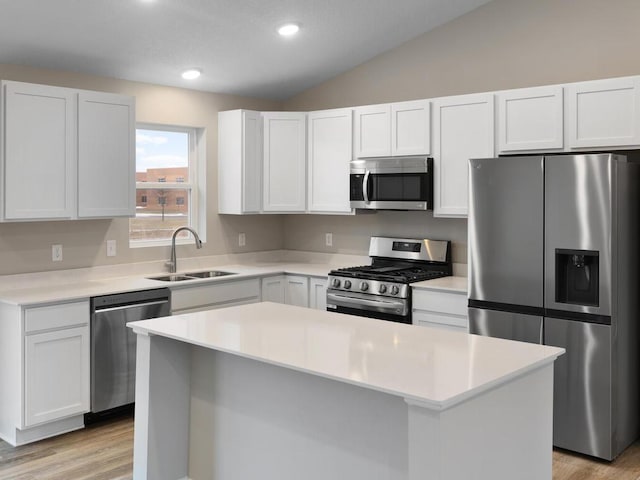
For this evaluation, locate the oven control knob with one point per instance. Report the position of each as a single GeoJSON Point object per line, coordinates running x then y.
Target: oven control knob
{"type": "Point", "coordinates": [394, 290]}
{"type": "Point", "coordinates": [364, 286]}
{"type": "Point", "coordinates": [347, 284]}
{"type": "Point", "coordinates": [335, 283]}
{"type": "Point", "coordinates": [382, 288]}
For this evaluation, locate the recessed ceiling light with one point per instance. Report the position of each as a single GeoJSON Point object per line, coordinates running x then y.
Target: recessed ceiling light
{"type": "Point", "coordinates": [289, 29]}
{"type": "Point", "coordinates": [191, 74]}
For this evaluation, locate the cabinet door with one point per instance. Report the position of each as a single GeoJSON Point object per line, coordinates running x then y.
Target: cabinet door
{"type": "Point", "coordinates": [318, 293]}
{"type": "Point", "coordinates": [530, 119]}
{"type": "Point", "coordinates": [251, 163]}
{"type": "Point", "coordinates": [411, 128]}
{"type": "Point", "coordinates": [284, 164]}
{"type": "Point", "coordinates": [330, 149]}
{"type": "Point", "coordinates": [39, 152]}
{"type": "Point", "coordinates": [372, 132]}
{"type": "Point", "coordinates": [464, 129]}
{"type": "Point", "coordinates": [297, 291]}
{"type": "Point", "coordinates": [106, 155]}
{"type": "Point", "coordinates": [56, 375]}
{"type": "Point", "coordinates": [273, 289]}
{"type": "Point", "coordinates": [604, 113]}
{"type": "Point", "coordinates": [239, 162]}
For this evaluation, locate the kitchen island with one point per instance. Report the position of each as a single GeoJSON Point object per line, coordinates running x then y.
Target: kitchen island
{"type": "Point", "coordinates": [274, 391]}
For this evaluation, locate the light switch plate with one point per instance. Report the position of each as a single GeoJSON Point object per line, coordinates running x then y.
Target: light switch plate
{"type": "Point", "coordinates": [242, 240]}
{"type": "Point", "coordinates": [328, 239]}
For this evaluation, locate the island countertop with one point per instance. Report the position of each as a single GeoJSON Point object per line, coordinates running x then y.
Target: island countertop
{"type": "Point", "coordinates": [433, 367]}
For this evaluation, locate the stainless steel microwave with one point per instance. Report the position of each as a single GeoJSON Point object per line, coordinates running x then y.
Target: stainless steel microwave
{"type": "Point", "coordinates": [392, 183]}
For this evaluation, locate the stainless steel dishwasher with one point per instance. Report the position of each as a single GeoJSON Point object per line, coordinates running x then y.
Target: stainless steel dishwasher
{"type": "Point", "coordinates": [113, 346]}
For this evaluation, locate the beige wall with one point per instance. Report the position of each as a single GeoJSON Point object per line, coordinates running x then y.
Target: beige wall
{"type": "Point", "coordinates": [504, 44]}
{"type": "Point", "coordinates": [26, 247]}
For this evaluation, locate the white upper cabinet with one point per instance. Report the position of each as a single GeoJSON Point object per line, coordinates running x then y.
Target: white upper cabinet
{"type": "Point", "coordinates": [284, 162]}
{"type": "Point", "coordinates": [330, 148]}
{"type": "Point", "coordinates": [372, 131]}
{"type": "Point", "coordinates": [604, 113]}
{"type": "Point", "coordinates": [66, 153]}
{"type": "Point", "coordinates": [464, 129]}
{"type": "Point", "coordinates": [39, 178]}
{"type": "Point", "coordinates": [393, 129]}
{"type": "Point", "coordinates": [239, 162]}
{"type": "Point", "coordinates": [411, 128]}
{"type": "Point", "coordinates": [530, 119]}
{"type": "Point", "coordinates": [106, 155]}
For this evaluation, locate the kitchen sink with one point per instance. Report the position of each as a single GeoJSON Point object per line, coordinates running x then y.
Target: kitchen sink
{"type": "Point", "coordinates": [191, 276]}
{"type": "Point", "coordinates": [209, 274]}
{"type": "Point", "coordinates": [171, 278]}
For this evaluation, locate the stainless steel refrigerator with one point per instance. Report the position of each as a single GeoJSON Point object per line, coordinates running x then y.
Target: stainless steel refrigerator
{"type": "Point", "coordinates": [553, 259]}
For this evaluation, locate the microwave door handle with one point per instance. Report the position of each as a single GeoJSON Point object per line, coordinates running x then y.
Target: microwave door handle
{"type": "Point", "coordinates": [365, 186]}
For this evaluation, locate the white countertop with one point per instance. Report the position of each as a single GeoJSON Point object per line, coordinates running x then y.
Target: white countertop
{"type": "Point", "coordinates": [433, 367]}
{"type": "Point", "coordinates": [448, 284]}
{"type": "Point", "coordinates": [60, 292]}
{"type": "Point", "coordinates": [51, 287]}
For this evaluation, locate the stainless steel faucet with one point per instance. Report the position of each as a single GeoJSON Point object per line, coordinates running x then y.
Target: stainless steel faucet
{"type": "Point", "coordinates": [172, 263]}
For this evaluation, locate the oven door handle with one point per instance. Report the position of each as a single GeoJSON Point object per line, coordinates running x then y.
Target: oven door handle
{"type": "Point", "coordinates": [355, 302]}
{"type": "Point", "coordinates": [365, 186]}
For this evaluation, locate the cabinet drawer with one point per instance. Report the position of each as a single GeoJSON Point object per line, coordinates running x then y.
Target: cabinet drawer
{"type": "Point", "coordinates": [212, 294]}
{"type": "Point", "coordinates": [427, 319]}
{"type": "Point", "coordinates": [56, 316]}
{"type": "Point", "coordinates": [452, 303]}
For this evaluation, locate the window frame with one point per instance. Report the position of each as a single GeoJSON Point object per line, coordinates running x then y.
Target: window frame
{"type": "Point", "coordinates": [195, 185]}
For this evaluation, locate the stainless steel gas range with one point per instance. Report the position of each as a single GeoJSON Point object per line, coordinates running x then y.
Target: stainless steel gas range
{"type": "Point", "coordinates": [382, 290]}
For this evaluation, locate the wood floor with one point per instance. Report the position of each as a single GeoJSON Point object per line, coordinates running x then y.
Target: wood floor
{"type": "Point", "coordinates": [100, 452]}
{"type": "Point", "coordinates": [104, 452]}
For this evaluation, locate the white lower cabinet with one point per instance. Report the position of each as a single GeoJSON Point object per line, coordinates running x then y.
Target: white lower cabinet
{"type": "Point", "coordinates": [56, 362]}
{"type": "Point", "coordinates": [296, 291]}
{"type": "Point", "coordinates": [434, 308]}
{"type": "Point", "coordinates": [287, 289]}
{"type": "Point", "coordinates": [273, 289]}
{"type": "Point", "coordinates": [56, 374]}
{"type": "Point", "coordinates": [214, 295]}
{"type": "Point", "coordinates": [318, 293]}
{"type": "Point", "coordinates": [44, 370]}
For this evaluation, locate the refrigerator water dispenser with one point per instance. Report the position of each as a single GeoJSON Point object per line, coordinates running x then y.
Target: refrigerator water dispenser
{"type": "Point", "coordinates": [577, 275]}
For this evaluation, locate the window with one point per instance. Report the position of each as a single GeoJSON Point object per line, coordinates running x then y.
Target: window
{"type": "Point", "coordinates": [169, 186]}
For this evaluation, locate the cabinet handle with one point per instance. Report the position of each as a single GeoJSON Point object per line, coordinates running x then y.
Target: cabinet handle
{"type": "Point", "coordinates": [365, 186]}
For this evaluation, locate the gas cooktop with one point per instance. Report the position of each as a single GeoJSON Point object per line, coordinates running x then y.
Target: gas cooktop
{"type": "Point", "coordinates": [391, 273]}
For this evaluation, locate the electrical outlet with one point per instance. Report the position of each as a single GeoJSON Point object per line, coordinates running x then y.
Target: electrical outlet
{"type": "Point", "coordinates": [328, 239]}
{"type": "Point", "coordinates": [242, 240]}
{"type": "Point", "coordinates": [56, 253]}
{"type": "Point", "coordinates": [111, 248]}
